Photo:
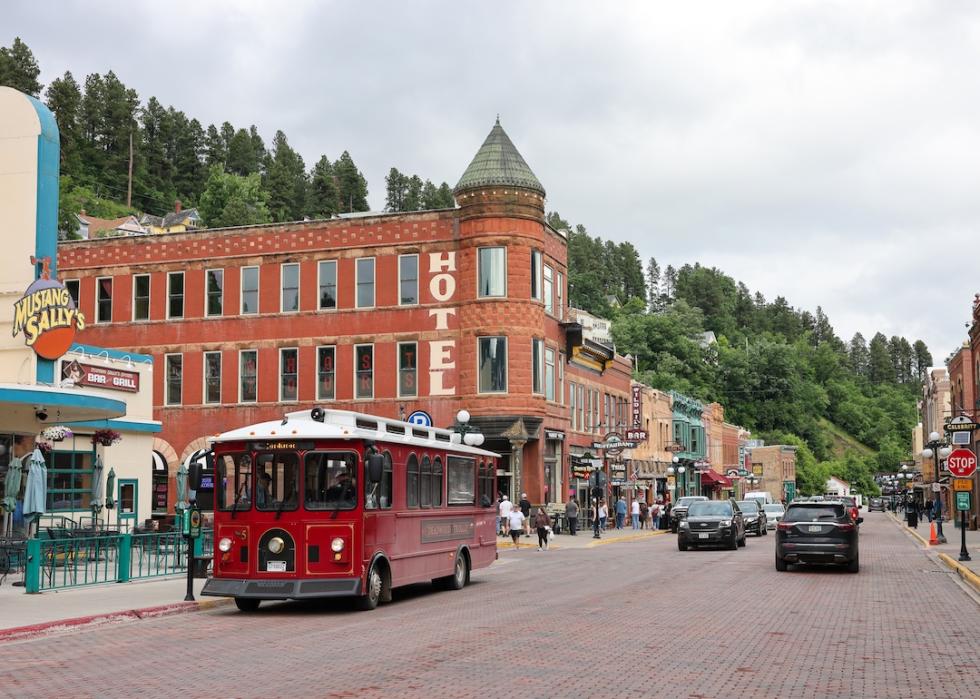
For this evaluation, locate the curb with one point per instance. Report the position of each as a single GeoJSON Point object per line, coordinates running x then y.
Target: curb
{"type": "Point", "coordinates": [967, 575]}
{"type": "Point", "coordinates": [912, 532]}
{"type": "Point", "coordinates": [20, 633]}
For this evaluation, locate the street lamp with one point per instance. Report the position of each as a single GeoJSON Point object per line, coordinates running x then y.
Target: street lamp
{"type": "Point", "coordinates": [681, 470]}
{"type": "Point", "coordinates": [935, 448]}
{"type": "Point", "coordinates": [464, 432]}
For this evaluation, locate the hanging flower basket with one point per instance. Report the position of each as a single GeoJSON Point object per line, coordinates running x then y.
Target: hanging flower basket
{"type": "Point", "coordinates": [56, 433]}
{"type": "Point", "coordinates": [106, 437]}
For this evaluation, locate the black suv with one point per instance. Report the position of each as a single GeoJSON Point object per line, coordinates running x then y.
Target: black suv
{"type": "Point", "coordinates": [817, 532]}
{"type": "Point", "coordinates": [755, 517]}
{"type": "Point", "coordinates": [711, 523]}
{"type": "Point", "coordinates": [679, 511]}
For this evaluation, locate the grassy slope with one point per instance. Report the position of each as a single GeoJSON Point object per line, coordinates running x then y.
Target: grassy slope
{"type": "Point", "coordinates": [842, 441]}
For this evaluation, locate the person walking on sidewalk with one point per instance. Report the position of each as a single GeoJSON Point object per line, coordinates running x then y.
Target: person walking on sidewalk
{"type": "Point", "coordinates": [516, 526]}
{"type": "Point", "coordinates": [603, 514]}
{"type": "Point", "coordinates": [620, 512]}
{"type": "Point", "coordinates": [644, 514]}
{"type": "Point", "coordinates": [506, 507]}
{"type": "Point", "coordinates": [571, 514]}
{"type": "Point", "coordinates": [541, 523]}
{"type": "Point", "coordinates": [525, 506]}
{"type": "Point", "coordinates": [635, 514]}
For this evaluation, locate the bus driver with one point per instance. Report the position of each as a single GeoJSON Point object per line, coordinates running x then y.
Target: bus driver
{"type": "Point", "coordinates": [342, 490]}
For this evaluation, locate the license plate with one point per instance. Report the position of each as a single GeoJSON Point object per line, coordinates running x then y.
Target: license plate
{"type": "Point", "coordinates": [276, 566]}
{"type": "Point", "coordinates": [815, 528]}
{"type": "Point", "coordinates": [702, 536]}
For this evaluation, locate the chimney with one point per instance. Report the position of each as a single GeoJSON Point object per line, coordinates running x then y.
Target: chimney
{"type": "Point", "coordinates": [177, 206]}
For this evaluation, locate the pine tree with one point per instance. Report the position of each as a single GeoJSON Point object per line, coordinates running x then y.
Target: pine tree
{"type": "Point", "coordinates": [323, 199]}
{"type": "Point", "coordinates": [243, 159]}
{"type": "Point", "coordinates": [18, 69]}
{"type": "Point", "coordinates": [413, 194]}
{"type": "Point", "coordinates": [446, 199]}
{"type": "Point", "coordinates": [64, 99]}
{"type": "Point", "coordinates": [857, 355]}
{"type": "Point", "coordinates": [880, 366]}
{"type": "Point", "coordinates": [669, 285]}
{"type": "Point", "coordinates": [215, 152]}
{"type": "Point", "coordinates": [396, 186]}
{"type": "Point", "coordinates": [923, 360]}
{"type": "Point", "coordinates": [351, 185]}
{"type": "Point", "coordinates": [653, 285]}
{"type": "Point", "coordinates": [285, 181]}
{"type": "Point", "coordinates": [430, 196]}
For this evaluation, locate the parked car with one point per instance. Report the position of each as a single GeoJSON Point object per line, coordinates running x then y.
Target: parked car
{"type": "Point", "coordinates": [774, 513]}
{"type": "Point", "coordinates": [817, 532]}
{"type": "Point", "coordinates": [849, 502]}
{"type": "Point", "coordinates": [876, 504]}
{"type": "Point", "coordinates": [711, 523]}
{"type": "Point", "coordinates": [679, 511]}
{"type": "Point", "coordinates": [754, 516]}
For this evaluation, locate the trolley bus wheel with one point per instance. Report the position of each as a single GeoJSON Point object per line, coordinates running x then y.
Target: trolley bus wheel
{"type": "Point", "coordinates": [374, 586]}
{"type": "Point", "coordinates": [460, 576]}
{"type": "Point", "coordinates": [247, 604]}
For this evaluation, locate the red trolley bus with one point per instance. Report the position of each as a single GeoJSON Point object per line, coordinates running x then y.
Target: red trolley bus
{"type": "Point", "coordinates": [331, 503]}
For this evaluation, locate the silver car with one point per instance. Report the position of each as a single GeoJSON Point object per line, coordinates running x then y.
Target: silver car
{"type": "Point", "coordinates": [774, 514]}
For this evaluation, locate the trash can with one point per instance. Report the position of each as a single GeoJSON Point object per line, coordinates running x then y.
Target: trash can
{"type": "Point", "coordinates": [912, 517]}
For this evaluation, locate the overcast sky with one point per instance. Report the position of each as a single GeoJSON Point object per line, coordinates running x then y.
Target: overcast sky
{"type": "Point", "coordinates": [828, 152]}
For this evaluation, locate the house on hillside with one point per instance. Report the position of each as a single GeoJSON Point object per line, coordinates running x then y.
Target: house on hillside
{"type": "Point", "coordinates": [837, 486]}
{"type": "Point", "coordinates": [180, 220]}
{"type": "Point", "coordinates": [94, 227]}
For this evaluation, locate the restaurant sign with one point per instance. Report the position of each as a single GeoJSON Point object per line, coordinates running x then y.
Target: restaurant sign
{"type": "Point", "coordinates": [47, 315]}
{"type": "Point", "coordinates": [100, 377]}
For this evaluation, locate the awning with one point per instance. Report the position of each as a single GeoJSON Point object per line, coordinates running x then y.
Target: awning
{"type": "Point", "coordinates": [715, 480]}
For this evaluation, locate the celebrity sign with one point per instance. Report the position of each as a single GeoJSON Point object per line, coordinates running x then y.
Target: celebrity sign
{"type": "Point", "coordinates": [47, 316]}
{"type": "Point", "coordinates": [100, 377]}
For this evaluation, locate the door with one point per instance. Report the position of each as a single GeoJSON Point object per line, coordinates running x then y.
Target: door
{"type": "Point", "coordinates": [128, 499]}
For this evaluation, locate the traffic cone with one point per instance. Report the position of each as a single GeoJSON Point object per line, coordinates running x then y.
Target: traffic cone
{"type": "Point", "coordinates": [933, 540]}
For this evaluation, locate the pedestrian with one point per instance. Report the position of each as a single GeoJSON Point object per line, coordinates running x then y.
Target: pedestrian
{"type": "Point", "coordinates": [525, 506]}
{"type": "Point", "coordinates": [644, 514]}
{"type": "Point", "coordinates": [665, 518]}
{"type": "Point", "coordinates": [620, 512]}
{"type": "Point", "coordinates": [541, 523]}
{"type": "Point", "coordinates": [603, 514]}
{"type": "Point", "coordinates": [635, 514]}
{"type": "Point", "coordinates": [500, 497]}
{"type": "Point", "coordinates": [516, 526]}
{"type": "Point", "coordinates": [506, 507]}
{"type": "Point", "coordinates": [571, 514]}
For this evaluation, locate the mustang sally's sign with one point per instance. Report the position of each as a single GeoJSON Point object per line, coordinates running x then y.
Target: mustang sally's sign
{"type": "Point", "coordinates": [47, 316]}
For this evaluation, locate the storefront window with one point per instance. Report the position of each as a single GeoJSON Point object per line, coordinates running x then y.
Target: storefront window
{"type": "Point", "coordinates": [69, 480]}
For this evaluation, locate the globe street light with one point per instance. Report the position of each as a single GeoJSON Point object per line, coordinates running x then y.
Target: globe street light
{"type": "Point", "coordinates": [936, 449]}
{"type": "Point", "coordinates": [464, 432]}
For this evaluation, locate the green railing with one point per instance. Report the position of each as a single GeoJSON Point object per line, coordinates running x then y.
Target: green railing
{"type": "Point", "coordinates": [76, 561]}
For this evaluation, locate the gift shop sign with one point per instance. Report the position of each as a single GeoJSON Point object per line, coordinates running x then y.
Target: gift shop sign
{"type": "Point", "coordinates": [46, 315]}
{"type": "Point", "coordinates": [100, 377]}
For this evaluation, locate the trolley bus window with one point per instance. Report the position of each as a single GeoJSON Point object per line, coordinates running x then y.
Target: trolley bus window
{"type": "Point", "coordinates": [461, 479]}
{"type": "Point", "coordinates": [378, 495]}
{"type": "Point", "coordinates": [278, 492]}
{"type": "Point", "coordinates": [437, 482]}
{"type": "Point", "coordinates": [330, 480]}
{"type": "Point", "coordinates": [235, 483]}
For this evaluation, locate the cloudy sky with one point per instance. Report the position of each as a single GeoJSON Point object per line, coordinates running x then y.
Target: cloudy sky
{"type": "Point", "coordinates": [822, 151]}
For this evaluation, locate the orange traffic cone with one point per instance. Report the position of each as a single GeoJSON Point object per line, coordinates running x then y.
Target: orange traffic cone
{"type": "Point", "coordinates": [933, 540]}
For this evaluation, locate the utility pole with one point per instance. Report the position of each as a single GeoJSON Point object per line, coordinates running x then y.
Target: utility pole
{"type": "Point", "coordinates": [129, 187]}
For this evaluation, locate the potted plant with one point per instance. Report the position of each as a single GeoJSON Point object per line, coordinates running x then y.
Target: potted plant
{"type": "Point", "coordinates": [56, 433]}
{"type": "Point", "coordinates": [105, 437]}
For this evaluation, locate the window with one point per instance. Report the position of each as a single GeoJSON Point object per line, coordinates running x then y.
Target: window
{"type": "Point", "coordinates": [549, 374]}
{"type": "Point", "coordinates": [425, 483]}
{"type": "Point", "coordinates": [141, 297]}
{"type": "Point", "coordinates": [73, 286]}
{"type": "Point", "coordinates": [561, 378]}
{"type": "Point", "coordinates": [325, 372]}
{"type": "Point", "coordinates": [595, 410]}
{"type": "Point", "coordinates": [378, 495]}
{"type": "Point", "coordinates": [571, 405]}
{"type": "Point", "coordinates": [248, 376]}
{"type": "Point", "coordinates": [330, 481]}
{"type": "Point", "coordinates": [549, 305]}
{"type": "Point", "coordinates": [581, 409]}
{"type": "Point", "coordinates": [290, 288]}
{"type": "Point", "coordinates": [407, 370]}
{"type": "Point", "coordinates": [212, 377]}
{"type": "Point", "coordinates": [412, 482]}
{"type": "Point", "coordinates": [175, 377]}
{"type": "Point", "coordinates": [175, 295]}
{"type": "Point", "coordinates": [277, 481]}
{"type": "Point", "coordinates": [460, 480]}
{"type": "Point", "coordinates": [492, 274]}
{"type": "Point", "coordinates": [437, 482]}
{"type": "Point", "coordinates": [364, 371]}
{"type": "Point", "coordinates": [408, 280]}
{"type": "Point", "coordinates": [250, 290]}
{"type": "Point", "coordinates": [215, 285]}
{"type": "Point", "coordinates": [536, 274]}
{"type": "Point", "coordinates": [536, 361]}
{"type": "Point", "coordinates": [103, 310]}
{"type": "Point", "coordinates": [289, 375]}
{"type": "Point", "coordinates": [69, 480]}
{"type": "Point", "coordinates": [365, 282]}
{"type": "Point", "coordinates": [560, 294]}
{"type": "Point", "coordinates": [486, 489]}
{"type": "Point", "coordinates": [328, 284]}
{"type": "Point", "coordinates": [492, 365]}
{"type": "Point", "coordinates": [233, 488]}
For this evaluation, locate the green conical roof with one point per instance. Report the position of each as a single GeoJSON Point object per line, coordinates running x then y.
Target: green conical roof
{"type": "Point", "coordinates": [498, 163]}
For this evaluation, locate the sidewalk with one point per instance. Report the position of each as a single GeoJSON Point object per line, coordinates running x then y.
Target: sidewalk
{"type": "Point", "coordinates": [23, 615]}
{"type": "Point", "coordinates": [582, 540]}
{"type": "Point", "coordinates": [949, 552]}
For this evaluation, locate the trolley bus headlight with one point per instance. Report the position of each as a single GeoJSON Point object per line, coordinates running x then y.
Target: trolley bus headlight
{"type": "Point", "coordinates": [337, 545]}
{"type": "Point", "coordinates": [276, 545]}
{"type": "Point", "coordinates": [224, 545]}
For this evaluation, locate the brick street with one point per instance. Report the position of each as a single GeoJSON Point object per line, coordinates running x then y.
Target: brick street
{"type": "Point", "coordinates": [628, 619]}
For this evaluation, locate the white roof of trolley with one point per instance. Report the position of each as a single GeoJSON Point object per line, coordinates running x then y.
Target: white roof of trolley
{"type": "Point", "coordinates": [344, 424]}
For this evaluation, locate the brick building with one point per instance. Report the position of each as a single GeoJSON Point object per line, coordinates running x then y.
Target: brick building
{"type": "Point", "coordinates": [385, 314]}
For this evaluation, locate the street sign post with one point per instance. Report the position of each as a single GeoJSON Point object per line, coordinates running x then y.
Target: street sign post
{"type": "Point", "coordinates": [962, 484]}
{"type": "Point", "coordinates": [963, 502]}
{"type": "Point", "coordinates": [962, 463]}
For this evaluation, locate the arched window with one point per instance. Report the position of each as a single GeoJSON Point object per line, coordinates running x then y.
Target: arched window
{"type": "Point", "coordinates": [437, 483]}
{"type": "Point", "coordinates": [426, 499]}
{"type": "Point", "coordinates": [412, 482]}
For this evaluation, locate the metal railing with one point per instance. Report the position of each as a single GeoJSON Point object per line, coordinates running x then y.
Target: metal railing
{"type": "Point", "coordinates": [75, 561]}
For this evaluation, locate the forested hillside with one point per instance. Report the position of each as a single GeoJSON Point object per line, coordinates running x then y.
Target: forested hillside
{"type": "Point", "coordinates": [779, 371]}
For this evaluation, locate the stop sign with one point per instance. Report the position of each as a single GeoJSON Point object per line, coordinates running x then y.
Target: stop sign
{"type": "Point", "coordinates": [962, 463]}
